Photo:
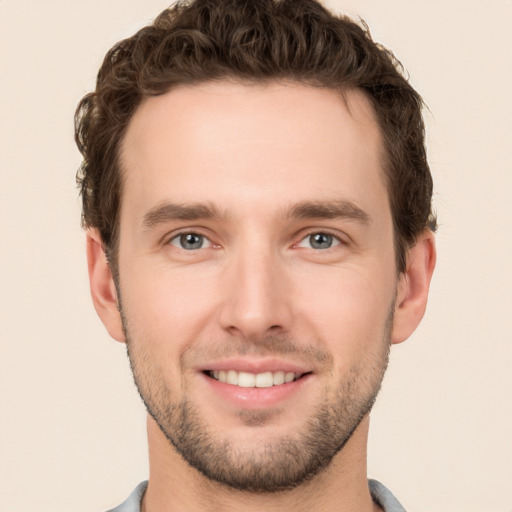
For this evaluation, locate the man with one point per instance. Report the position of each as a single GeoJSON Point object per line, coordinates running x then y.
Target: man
{"type": "Point", "coordinates": [259, 232]}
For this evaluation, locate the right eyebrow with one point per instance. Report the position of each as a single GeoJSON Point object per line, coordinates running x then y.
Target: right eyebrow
{"type": "Point", "coordinates": [176, 211]}
{"type": "Point", "coordinates": [337, 209]}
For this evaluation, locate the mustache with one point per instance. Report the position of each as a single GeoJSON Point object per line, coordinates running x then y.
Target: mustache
{"type": "Point", "coordinates": [266, 346]}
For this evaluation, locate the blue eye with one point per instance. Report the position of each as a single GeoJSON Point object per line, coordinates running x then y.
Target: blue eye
{"type": "Point", "coordinates": [190, 241]}
{"type": "Point", "coordinates": [319, 241]}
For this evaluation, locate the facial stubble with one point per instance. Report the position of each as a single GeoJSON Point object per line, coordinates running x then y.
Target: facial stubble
{"type": "Point", "coordinates": [276, 464]}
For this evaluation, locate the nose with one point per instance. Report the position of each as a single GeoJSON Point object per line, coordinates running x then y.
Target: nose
{"type": "Point", "coordinates": [256, 295]}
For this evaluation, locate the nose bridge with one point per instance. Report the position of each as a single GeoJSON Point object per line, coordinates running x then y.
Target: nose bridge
{"type": "Point", "coordinates": [255, 297]}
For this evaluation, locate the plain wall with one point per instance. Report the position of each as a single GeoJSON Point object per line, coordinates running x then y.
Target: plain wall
{"type": "Point", "coordinates": [72, 428]}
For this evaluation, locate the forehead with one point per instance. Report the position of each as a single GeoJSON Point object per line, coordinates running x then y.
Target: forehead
{"type": "Point", "coordinates": [238, 144]}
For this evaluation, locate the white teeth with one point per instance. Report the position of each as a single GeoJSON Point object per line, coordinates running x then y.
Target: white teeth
{"type": "Point", "coordinates": [264, 380]}
{"type": "Point", "coordinates": [246, 380]}
{"type": "Point", "coordinates": [251, 380]}
{"type": "Point", "coordinates": [278, 378]}
{"type": "Point", "coordinates": [232, 377]}
{"type": "Point", "coordinates": [289, 376]}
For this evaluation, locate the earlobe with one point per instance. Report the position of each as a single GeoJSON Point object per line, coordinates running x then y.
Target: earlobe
{"type": "Point", "coordinates": [413, 287]}
{"type": "Point", "coordinates": [103, 290]}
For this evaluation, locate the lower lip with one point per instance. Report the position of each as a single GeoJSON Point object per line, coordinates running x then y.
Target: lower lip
{"type": "Point", "coordinates": [256, 398]}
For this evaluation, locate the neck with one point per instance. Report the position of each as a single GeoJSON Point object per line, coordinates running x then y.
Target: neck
{"type": "Point", "coordinates": [174, 485]}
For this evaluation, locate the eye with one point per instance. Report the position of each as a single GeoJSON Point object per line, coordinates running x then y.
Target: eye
{"type": "Point", "coordinates": [319, 241]}
{"type": "Point", "coordinates": [190, 241]}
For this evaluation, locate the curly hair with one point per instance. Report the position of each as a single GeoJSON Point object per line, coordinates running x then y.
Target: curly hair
{"type": "Point", "coordinates": [252, 41]}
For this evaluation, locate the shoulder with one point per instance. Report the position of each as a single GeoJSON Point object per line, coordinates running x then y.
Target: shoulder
{"type": "Point", "coordinates": [380, 494]}
{"type": "Point", "coordinates": [384, 497]}
{"type": "Point", "coordinates": [132, 503]}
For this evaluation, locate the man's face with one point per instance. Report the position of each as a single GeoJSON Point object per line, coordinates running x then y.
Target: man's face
{"type": "Point", "coordinates": [256, 249]}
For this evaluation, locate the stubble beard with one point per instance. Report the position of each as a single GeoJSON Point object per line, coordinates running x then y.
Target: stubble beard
{"type": "Point", "coordinates": [278, 464]}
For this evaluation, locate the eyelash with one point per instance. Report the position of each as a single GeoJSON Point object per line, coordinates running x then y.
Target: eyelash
{"type": "Point", "coordinates": [178, 236]}
{"type": "Point", "coordinates": [336, 239]}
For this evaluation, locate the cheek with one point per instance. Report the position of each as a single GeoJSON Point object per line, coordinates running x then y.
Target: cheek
{"type": "Point", "coordinates": [163, 317]}
{"type": "Point", "coordinates": [165, 306]}
{"type": "Point", "coordinates": [348, 310]}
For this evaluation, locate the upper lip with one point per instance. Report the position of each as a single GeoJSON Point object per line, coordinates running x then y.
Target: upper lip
{"type": "Point", "coordinates": [255, 365]}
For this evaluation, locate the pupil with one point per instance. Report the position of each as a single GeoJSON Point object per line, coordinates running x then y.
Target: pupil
{"type": "Point", "coordinates": [191, 241]}
{"type": "Point", "coordinates": [321, 241]}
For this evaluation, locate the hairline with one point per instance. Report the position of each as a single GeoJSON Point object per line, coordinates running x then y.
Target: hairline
{"type": "Point", "coordinates": [112, 250]}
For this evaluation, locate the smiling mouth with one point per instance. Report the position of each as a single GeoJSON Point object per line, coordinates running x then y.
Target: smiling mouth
{"type": "Point", "coordinates": [254, 380]}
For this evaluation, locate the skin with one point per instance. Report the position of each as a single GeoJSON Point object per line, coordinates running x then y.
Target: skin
{"type": "Point", "coordinates": [257, 292]}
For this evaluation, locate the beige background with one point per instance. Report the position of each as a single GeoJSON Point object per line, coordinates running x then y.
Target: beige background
{"type": "Point", "coordinates": [72, 427]}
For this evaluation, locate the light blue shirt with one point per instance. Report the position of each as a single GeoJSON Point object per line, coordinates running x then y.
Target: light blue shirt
{"type": "Point", "coordinates": [380, 494]}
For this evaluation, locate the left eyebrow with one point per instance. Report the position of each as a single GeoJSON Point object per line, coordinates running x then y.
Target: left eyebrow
{"type": "Point", "coordinates": [337, 209]}
{"type": "Point", "coordinates": [185, 212]}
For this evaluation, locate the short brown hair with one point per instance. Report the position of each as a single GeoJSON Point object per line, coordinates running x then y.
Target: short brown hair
{"type": "Point", "coordinates": [252, 40]}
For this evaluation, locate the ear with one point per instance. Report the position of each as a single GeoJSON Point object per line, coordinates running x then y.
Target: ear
{"type": "Point", "coordinates": [413, 286]}
{"type": "Point", "coordinates": [103, 290]}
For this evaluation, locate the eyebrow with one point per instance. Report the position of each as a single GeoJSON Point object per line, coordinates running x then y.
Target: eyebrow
{"type": "Point", "coordinates": [174, 211]}
{"type": "Point", "coordinates": [337, 209]}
